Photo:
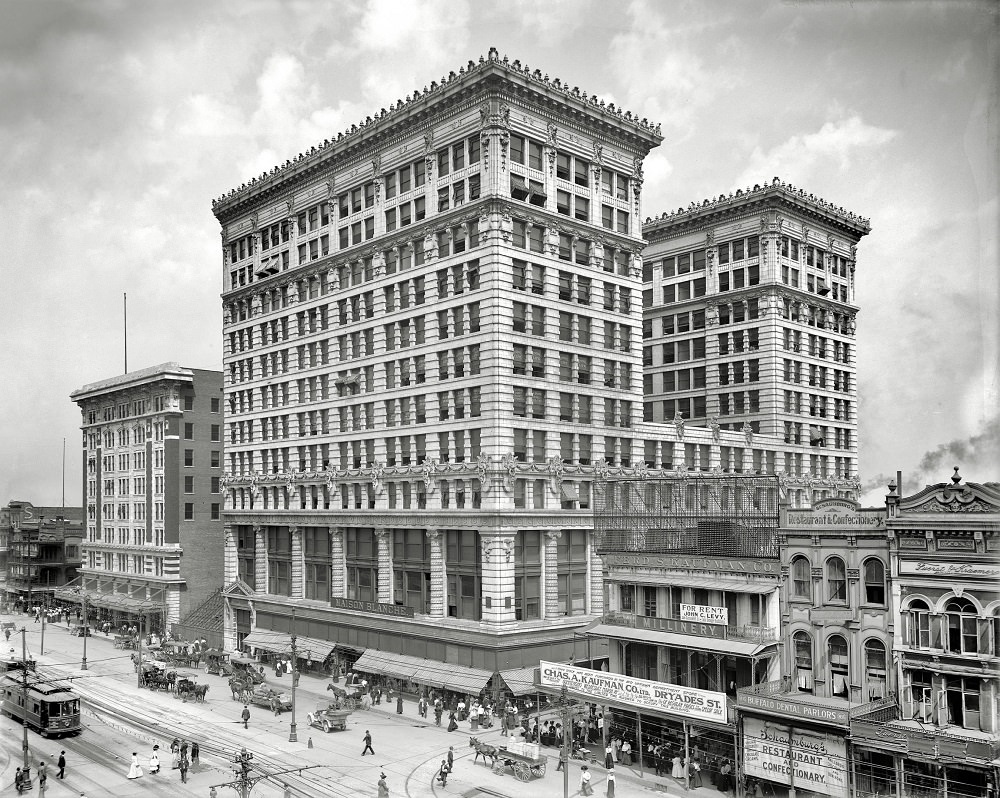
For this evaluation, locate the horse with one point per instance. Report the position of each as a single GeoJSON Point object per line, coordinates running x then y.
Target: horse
{"type": "Point", "coordinates": [200, 691]}
{"type": "Point", "coordinates": [490, 752]}
{"type": "Point", "coordinates": [238, 686]}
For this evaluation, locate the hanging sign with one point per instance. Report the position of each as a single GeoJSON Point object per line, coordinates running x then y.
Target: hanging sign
{"type": "Point", "coordinates": [818, 763]}
{"type": "Point", "coordinates": [704, 614]}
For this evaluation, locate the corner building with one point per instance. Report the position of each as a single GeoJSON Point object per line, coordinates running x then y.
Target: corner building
{"type": "Point", "coordinates": [424, 319]}
{"type": "Point", "coordinates": [749, 320]}
{"type": "Point", "coordinates": [152, 471]}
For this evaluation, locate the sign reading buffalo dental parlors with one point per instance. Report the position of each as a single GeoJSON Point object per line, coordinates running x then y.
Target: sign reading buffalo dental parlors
{"type": "Point", "coordinates": [372, 607]}
{"type": "Point", "coordinates": [650, 696]}
{"type": "Point", "coordinates": [703, 614]}
{"type": "Point", "coordinates": [818, 761]}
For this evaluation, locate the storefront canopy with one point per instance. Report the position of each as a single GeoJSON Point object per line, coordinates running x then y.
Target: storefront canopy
{"type": "Point", "coordinates": [281, 643]}
{"type": "Point", "coordinates": [713, 645]}
{"type": "Point", "coordinates": [429, 672]}
{"type": "Point", "coordinates": [119, 601]}
{"type": "Point", "coordinates": [708, 583]}
{"type": "Point", "coordinates": [520, 681]}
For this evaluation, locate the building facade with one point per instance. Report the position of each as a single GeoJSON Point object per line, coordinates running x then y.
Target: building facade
{"type": "Point", "coordinates": [941, 737]}
{"type": "Point", "coordinates": [152, 453]}
{"type": "Point", "coordinates": [44, 551]}
{"type": "Point", "coordinates": [749, 318]}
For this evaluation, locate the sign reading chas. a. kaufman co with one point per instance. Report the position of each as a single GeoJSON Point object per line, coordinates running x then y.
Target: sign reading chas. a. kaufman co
{"type": "Point", "coordinates": [693, 562]}
{"type": "Point", "coordinates": [671, 699]}
{"type": "Point", "coordinates": [818, 762]}
{"type": "Point", "coordinates": [703, 614]}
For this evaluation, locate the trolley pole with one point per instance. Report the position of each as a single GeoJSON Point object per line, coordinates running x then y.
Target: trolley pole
{"type": "Point", "coordinates": [292, 735]}
{"type": "Point", "coordinates": [26, 761]}
{"type": "Point", "coordinates": [86, 627]}
{"type": "Point", "coordinates": [142, 623]}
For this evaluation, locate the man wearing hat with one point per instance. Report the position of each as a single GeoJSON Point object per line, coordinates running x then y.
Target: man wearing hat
{"type": "Point", "coordinates": [383, 788]}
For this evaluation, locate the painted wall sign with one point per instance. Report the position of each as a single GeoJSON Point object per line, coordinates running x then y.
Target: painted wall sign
{"type": "Point", "coordinates": [671, 699]}
{"type": "Point", "coordinates": [372, 607]}
{"type": "Point", "coordinates": [723, 564]}
{"type": "Point", "coordinates": [967, 570]}
{"type": "Point", "coordinates": [818, 762]}
{"type": "Point", "coordinates": [681, 627]}
{"type": "Point", "coordinates": [787, 707]}
{"type": "Point", "coordinates": [836, 518]}
{"type": "Point", "coordinates": [703, 614]}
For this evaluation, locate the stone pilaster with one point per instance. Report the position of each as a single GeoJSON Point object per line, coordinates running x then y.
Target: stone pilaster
{"type": "Point", "coordinates": [384, 565]}
{"type": "Point", "coordinates": [260, 559]}
{"type": "Point", "coordinates": [338, 564]}
{"type": "Point", "coordinates": [439, 575]}
{"type": "Point", "coordinates": [298, 563]}
{"type": "Point", "coordinates": [228, 626]}
{"type": "Point", "coordinates": [498, 577]}
{"type": "Point", "coordinates": [595, 578]}
{"type": "Point", "coordinates": [230, 566]}
{"type": "Point", "coordinates": [550, 574]}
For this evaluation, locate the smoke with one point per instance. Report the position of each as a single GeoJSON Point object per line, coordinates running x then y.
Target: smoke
{"type": "Point", "coordinates": [978, 459]}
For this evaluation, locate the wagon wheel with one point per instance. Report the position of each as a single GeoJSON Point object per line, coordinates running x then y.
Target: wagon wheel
{"type": "Point", "coordinates": [498, 767]}
{"type": "Point", "coordinates": [185, 694]}
{"type": "Point", "coordinates": [522, 772]}
{"type": "Point", "coordinates": [539, 769]}
{"type": "Point", "coordinates": [326, 726]}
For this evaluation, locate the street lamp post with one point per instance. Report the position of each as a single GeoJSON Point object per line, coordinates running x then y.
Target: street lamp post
{"type": "Point", "coordinates": [292, 736]}
{"type": "Point", "coordinates": [26, 760]}
{"type": "Point", "coordinates": [86, 624]}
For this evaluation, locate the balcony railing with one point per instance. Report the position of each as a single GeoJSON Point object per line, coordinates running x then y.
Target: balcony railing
{"type": "Point", "coordinates": [747, 633]}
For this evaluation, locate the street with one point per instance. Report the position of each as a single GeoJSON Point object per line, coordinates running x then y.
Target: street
{"type": "Point", "coordinates": [120, 718]}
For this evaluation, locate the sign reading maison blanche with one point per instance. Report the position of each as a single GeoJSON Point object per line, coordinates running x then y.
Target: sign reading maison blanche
{"type": "Point", "coordinates": [703, 614]}
{"type": "Point", "coordinates": [668, 698]}
{"type": "Point", "coordinates": [969, 570]}
{"type": "Point", "coordinates": [694, 562]}
{"type": "Point", "coordinates": [373, 607]}
{"type": "Point", "coordinates": [819, 760]}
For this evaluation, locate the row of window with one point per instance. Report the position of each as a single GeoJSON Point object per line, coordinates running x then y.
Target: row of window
{"type": "Point", "coordinates": [833, 578]}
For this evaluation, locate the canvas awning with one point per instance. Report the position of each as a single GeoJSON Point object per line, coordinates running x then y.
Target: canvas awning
{"type": "Point", "coordinates": [520, 681]}
{"type": "Point", "coordinates": [713, 645]}
{"type": "Point", "coordinates": [706, 582]}
{"type": "Point", "coordinates": [281, 643]}
{"type": "Point", "coordinates": [429, 672]}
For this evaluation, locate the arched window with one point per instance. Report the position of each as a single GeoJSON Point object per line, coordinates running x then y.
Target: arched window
{"type": "Point", "coordinates": [874, 581]}
{"type": "Point", "coordinates": [963, 626]}
{"type": "Point", "coordinates": [801, 578]}
{"type": "Point", "coordinates": [803, 661]}
{"type": "Point", "coordinates": [918, 615]}
{"type": "Point", "coordinates": [875, 669]}
{"type": "Point", "coordinates": [839, 665]}
{"type": "Point", "coordinates": [836, 580]}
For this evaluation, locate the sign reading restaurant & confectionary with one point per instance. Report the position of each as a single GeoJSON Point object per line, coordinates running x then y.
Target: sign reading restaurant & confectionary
{"type": "Point", "coordinates": [747, 565]}
{"type": "Point", "coordinates": [601, 687]}
{"type": "Point", "coordinates": [703, 614]}
{"type": "Point", "coordinates": [834, 513]}
{"type": "Point", "coordinates": [818, 762]}
{"type": "Point", "coordinates": [372, 607]}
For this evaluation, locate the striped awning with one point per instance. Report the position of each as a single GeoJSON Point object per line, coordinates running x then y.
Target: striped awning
{"type": "Point", "coordinates": [281, 643]}
{"type": "Point", "coordinates": [428, 672]}
{"type": "Point", "coordinates": [520, 681]}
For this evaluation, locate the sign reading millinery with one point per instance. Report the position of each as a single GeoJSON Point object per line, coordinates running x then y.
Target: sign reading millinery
{"type": "Point", "coordinates": [967, 570]}
{"type": "Point", "coordinates": [695, 563]}
{"type": "Point", "coordinates": [680, 627]}
{"type": "Point", "coordinates": [373, 607]}
{"type": "Point", "coordinates": [703, 614]}
{"type": "Point", "coordinates": [601, 687]}
{"type": "Point", "coordinates": [818, 762]}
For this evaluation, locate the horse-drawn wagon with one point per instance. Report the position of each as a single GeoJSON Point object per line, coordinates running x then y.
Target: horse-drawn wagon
{"type": "Point", "coordinates": [522, 759]}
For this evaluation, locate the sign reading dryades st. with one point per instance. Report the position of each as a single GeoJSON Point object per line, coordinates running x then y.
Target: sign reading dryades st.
{"type": "Point", "coordinates": [818, 761]}
{"type": "Point", "coordinates": [601, 687]}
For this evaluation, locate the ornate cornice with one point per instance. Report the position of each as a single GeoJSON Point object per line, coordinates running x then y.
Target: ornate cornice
{"type": "Point", "coordinates": [483, 520]}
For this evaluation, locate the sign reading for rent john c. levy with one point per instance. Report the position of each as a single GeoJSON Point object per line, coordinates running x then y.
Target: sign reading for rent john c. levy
{"type": "Point", "coordinates": [601, 687]}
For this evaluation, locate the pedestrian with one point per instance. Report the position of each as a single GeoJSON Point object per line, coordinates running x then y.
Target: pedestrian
{"type": "Point", "coordinates": [443, 773]}
{"type": "Point", "coordinates": [175, 754]}
{"type": "Point", "coordinates": [194, 753]}
{"type": "Point", "coordinates": [17, 781]}
{"type": "Point", "coordinates": [609, 756]}
{"type": "Point", "coordinates": [451, 758]}
{"type": "Point", "coordinates": [383, 787]}
{"type": "Point", "coordinates": [399, 703]}
{"type": "Point", "coordinates": [627, 753]}
{"type": "Point", "coordinates": [611, 783]}
{"type": "Point", "coordinates": [184, 769]}
{"type": "Point", "coordinates": [503, 725]}
{"type": "Point", "coordinates": [421, 707]}
{"type": "Point", "coordinates": [62, 765]}
{"type": "Point", "coordinates": [452, 723]}
{"type": "Point", "coordinates": [154, 761]}
{"type": "Point", "coordinates": [43, 776]}
{"type": "Point", "coordinates": [694, 770]}
{"type": "Point", "coordinates": [135, 772]}
{"type": "Point", "coordinates": [585, 788]}
{"type": "Point", "coordinates": [184, 749]}
{"type": "Point", "coordinates": [245, 716]}
{"type": "Point", "coordinates": [368, 744]}
{"type": "Point", "coordinates": [7, 633]}
{"type": "Point", "coordinates": [725, 776]}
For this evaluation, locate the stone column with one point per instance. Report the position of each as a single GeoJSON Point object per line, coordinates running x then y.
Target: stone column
{"type": "Point", "coordinates": [595, 578]}
{"type": "Point", "coordinates": [338, 564]}
{"type": "Point", "coordinates": [384, 565]}
{"type": "Point", "coordinates": [498, 577]}
{"type": "Point", "coordinates": [550, 573]}
{"type": "Point", "coordinates": [439, 574]}
{"type": "Point", "coordinates": [230, 566]}
{"type": "Point", "coordinates": [260, 559]}
{"type": "Point", "coordinates": [298, 563]}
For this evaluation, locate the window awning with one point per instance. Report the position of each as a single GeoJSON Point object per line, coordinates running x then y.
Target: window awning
{"type": "Point", "coordinates": [281, 643]}
{"type": "Point", "coordinates": [429, 672]}
{"type": "Point", "coordinates": [708, 583]}
{"type": "Point", "coordinates": [119, 601]}
{"type": "Point", "coordinates": [520, 681]}
{"type": "Point", "coordinates": [712, 645]}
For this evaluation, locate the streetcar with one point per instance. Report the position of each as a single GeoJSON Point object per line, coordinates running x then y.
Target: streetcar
{"type": "Point", "coordinates": [13, 662]}
{"type": "Point", "coordinates": [50, 709]}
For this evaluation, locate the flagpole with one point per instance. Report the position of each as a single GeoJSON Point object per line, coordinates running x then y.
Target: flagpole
{"type": "Point", "coordinates": [125, 327]}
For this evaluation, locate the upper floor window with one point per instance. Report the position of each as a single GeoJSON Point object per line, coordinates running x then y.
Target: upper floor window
{"type": "Point", "coordinates": [875, 669]}
{"type": "Point", "coordinates": [839, 665]}
{"type": "Point", "coordinates": [801, 578]}
{"type": "Point", "coordinates": [803, 661]}
{"type": "Point", "coordinates": [836, 580]}
{"type": "Point", "coordinates": [963, 623]}
{"type": "Point", "coordinates": [874, 581]}
{"type": "Point", "coordinates": [918, 618]}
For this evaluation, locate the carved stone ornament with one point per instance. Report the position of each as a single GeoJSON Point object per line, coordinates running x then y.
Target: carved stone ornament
{"type": "Point", "coordinates": [551, 135]}
{"type": "Point", "coordinates": [375, 474]}
{"type": "Point", "coordinates": [509, 466]}
{"type": "Point", "coordinates": [486, 542]}
{"type": "Point", "coordinates": [329, 189]}
{"type": "Point", "coordinates": [601, 469]}
{"type": "Point", "coordinates": [253, 222]}
{"type": "Point", "coordinates": [556, 471]}
{"type": "Point", "coordinates": [289, 205]}
{"type": "Point", "coordinates": [598, 155]}
{"type": "Point", "coordinates": [433, 535]}
{"type": "Point", "coordinates": [747, 433]}
{"type": "Point", "coordinates": [483, 469]}
{"type": "Point", "coordinates": [428, 142]}
{"type": "Point", "coordinates": [678, 422]}
{"type": "Point", "coordinates": [641, 471]}
{"type": "Point", "coordinates": [713, 424]}
{"type": "Point", "coordinates": [504, 142]}
{"type": "Point", "coordinates": [484, 145]}
{"type": "Point", "coordinates": [427, 468]}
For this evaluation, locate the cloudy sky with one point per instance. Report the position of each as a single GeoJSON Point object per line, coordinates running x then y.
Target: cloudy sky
{"type": "Point", "coordinates": [121, 121]}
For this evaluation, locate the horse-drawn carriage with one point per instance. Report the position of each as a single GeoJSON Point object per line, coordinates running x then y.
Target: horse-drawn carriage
{"type": "Point", "coordinates": [329, 717]}
{"type": "Point", "coordinates": [246, 669]}
{"type": "Point", "coordinates": [348, 697]}
{"type": "Point", "coordinates": [524, 760]}
{"type": "Point", "coordinates": [156, 678]}
{"type": "Point", "coordinates": [217, 663]}
{"type": "Point", "coordinates": [187, 688]}
{"type": "Point", "coordinates": [124, 641]}
{"type": "Point", "coordinates": [265, 696]}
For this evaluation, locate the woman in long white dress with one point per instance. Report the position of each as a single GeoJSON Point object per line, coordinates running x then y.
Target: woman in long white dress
{"type": "Point", "coordinates": [135, 771]}
{"type": "Point", "coordinates": [677, 771]}
{"type": "Point", "coordinates": [154, 760]}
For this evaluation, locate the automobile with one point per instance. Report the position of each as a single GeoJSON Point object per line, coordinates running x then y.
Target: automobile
{"type": "Point", "coordinates": [82, 631]}
{"type": "Point", "coordinates": [275, 700]}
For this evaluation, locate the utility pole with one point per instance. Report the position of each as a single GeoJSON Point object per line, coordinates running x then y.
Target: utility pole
{"type": "Point", "coordinates": [292, 735]}
{"type": "Point", "coordinates": [243, 769]}
{"type": "Point", "coordinates": [86, 625]}
{"type": "Point", "coordinates": [566, 708]}
{"type": "Point", "coordinates": [26, 761]}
